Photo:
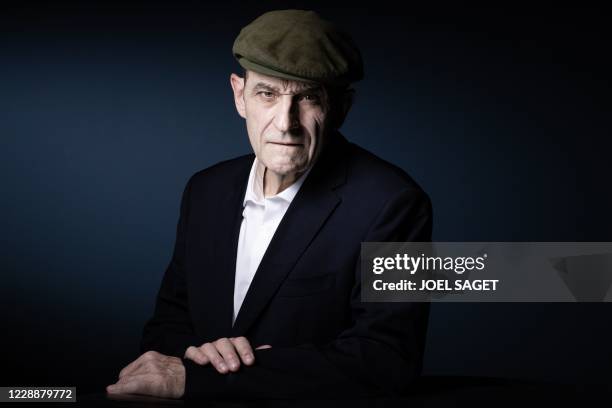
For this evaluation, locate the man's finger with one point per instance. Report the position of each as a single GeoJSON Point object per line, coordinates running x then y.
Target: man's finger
{"type": "Point", "coordinates": [136, 384]}
{"type": "Point", "coordinates": [134, 365]}
{"type": "Point", "coordinates": [214, 357]}
{"type": "Point", "coordinates": [226, 348]}
{"type": "Point", "coordinates": [263, 347]}
{"type": "Point", "coordinates": [130, 367]}
{"type": "Point", "coordinates": [196, 355]}
{"type": "Point", "coordinates": [243, 347]}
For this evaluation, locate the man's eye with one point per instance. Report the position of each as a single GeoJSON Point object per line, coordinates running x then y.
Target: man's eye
{"type": "Point", "coordinates": [266, 94]}
{"type": "Point", "coordinates": [310, 98]}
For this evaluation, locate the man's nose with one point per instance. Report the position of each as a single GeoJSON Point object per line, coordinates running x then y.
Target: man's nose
{"type": "Point", "coordinates": [287, 114]}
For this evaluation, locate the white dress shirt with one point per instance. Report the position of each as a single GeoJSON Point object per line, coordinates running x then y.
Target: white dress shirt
{"type": "Point", "coordinates": [260, 217]}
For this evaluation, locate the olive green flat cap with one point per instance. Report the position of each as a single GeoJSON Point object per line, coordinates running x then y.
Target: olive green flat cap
{"type": "Point", "coordinates": [298, 45]}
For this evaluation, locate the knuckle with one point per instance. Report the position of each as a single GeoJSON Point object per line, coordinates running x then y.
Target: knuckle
{"type": "Point", "coordinates": [151, 366]}
{"type": "Point", "coordinates": [244, 342]}
{"type": "Point", "coordinates": [222, 341]}
{"type": "Point", "coordinates": [149, 355]}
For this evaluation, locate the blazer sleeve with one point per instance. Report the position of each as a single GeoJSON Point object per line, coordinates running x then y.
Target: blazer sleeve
{"type": "Point", "coordinates": [380, 354]}
{"type": "Point", "coordinates": [170, 330]}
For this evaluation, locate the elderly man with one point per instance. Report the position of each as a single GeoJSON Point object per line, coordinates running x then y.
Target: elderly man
{"type": "Point", "coordinates": [262, 295]}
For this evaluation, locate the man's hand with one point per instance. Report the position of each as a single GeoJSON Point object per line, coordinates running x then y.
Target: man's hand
{"type": "Point", "coordinates": [152, 374]}
{"type": "Point", "coordinates": [224, 353]}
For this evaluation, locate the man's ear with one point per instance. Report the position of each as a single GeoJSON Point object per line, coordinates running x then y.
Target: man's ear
{"type": "Point", "coordinates": [238, 88]}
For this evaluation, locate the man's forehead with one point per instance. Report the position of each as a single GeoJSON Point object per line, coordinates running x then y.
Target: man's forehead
{"type": "Point", "coordinates": [279, 84]}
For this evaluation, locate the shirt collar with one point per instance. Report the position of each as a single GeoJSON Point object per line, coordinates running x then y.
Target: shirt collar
{"type": "Point", "coordinates": [254, 191]}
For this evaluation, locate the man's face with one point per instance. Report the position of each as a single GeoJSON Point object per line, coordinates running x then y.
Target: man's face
{"type": "Point", "coordinates": [285, 120]}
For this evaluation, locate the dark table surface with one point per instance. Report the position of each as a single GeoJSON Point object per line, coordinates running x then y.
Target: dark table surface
{"type": "Point", "coordinates": [428, 392]}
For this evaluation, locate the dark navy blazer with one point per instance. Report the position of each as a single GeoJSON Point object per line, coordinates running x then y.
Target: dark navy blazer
{"type": "Point", "coordinates": [305, 297]}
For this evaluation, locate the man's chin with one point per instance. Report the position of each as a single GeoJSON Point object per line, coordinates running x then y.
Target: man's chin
{"type": "Point", "coordinates": [285, 170]}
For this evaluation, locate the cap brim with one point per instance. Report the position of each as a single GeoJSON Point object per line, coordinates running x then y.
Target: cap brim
{"type": "Point", "coordinates": [252, 66]}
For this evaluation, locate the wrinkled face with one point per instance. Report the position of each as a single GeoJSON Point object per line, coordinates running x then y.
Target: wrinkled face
{"type": "Point", "coordinates": [285, 120]}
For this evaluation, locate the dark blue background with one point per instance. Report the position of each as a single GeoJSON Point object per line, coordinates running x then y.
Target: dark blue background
{"type": "Point", "coordinates": [502, 115]}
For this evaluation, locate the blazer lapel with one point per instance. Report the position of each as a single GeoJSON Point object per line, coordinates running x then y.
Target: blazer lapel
{"type": "Point", "coordinates": [307, 213]}
{"type": "Point", "coordinates": [218, 282]}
